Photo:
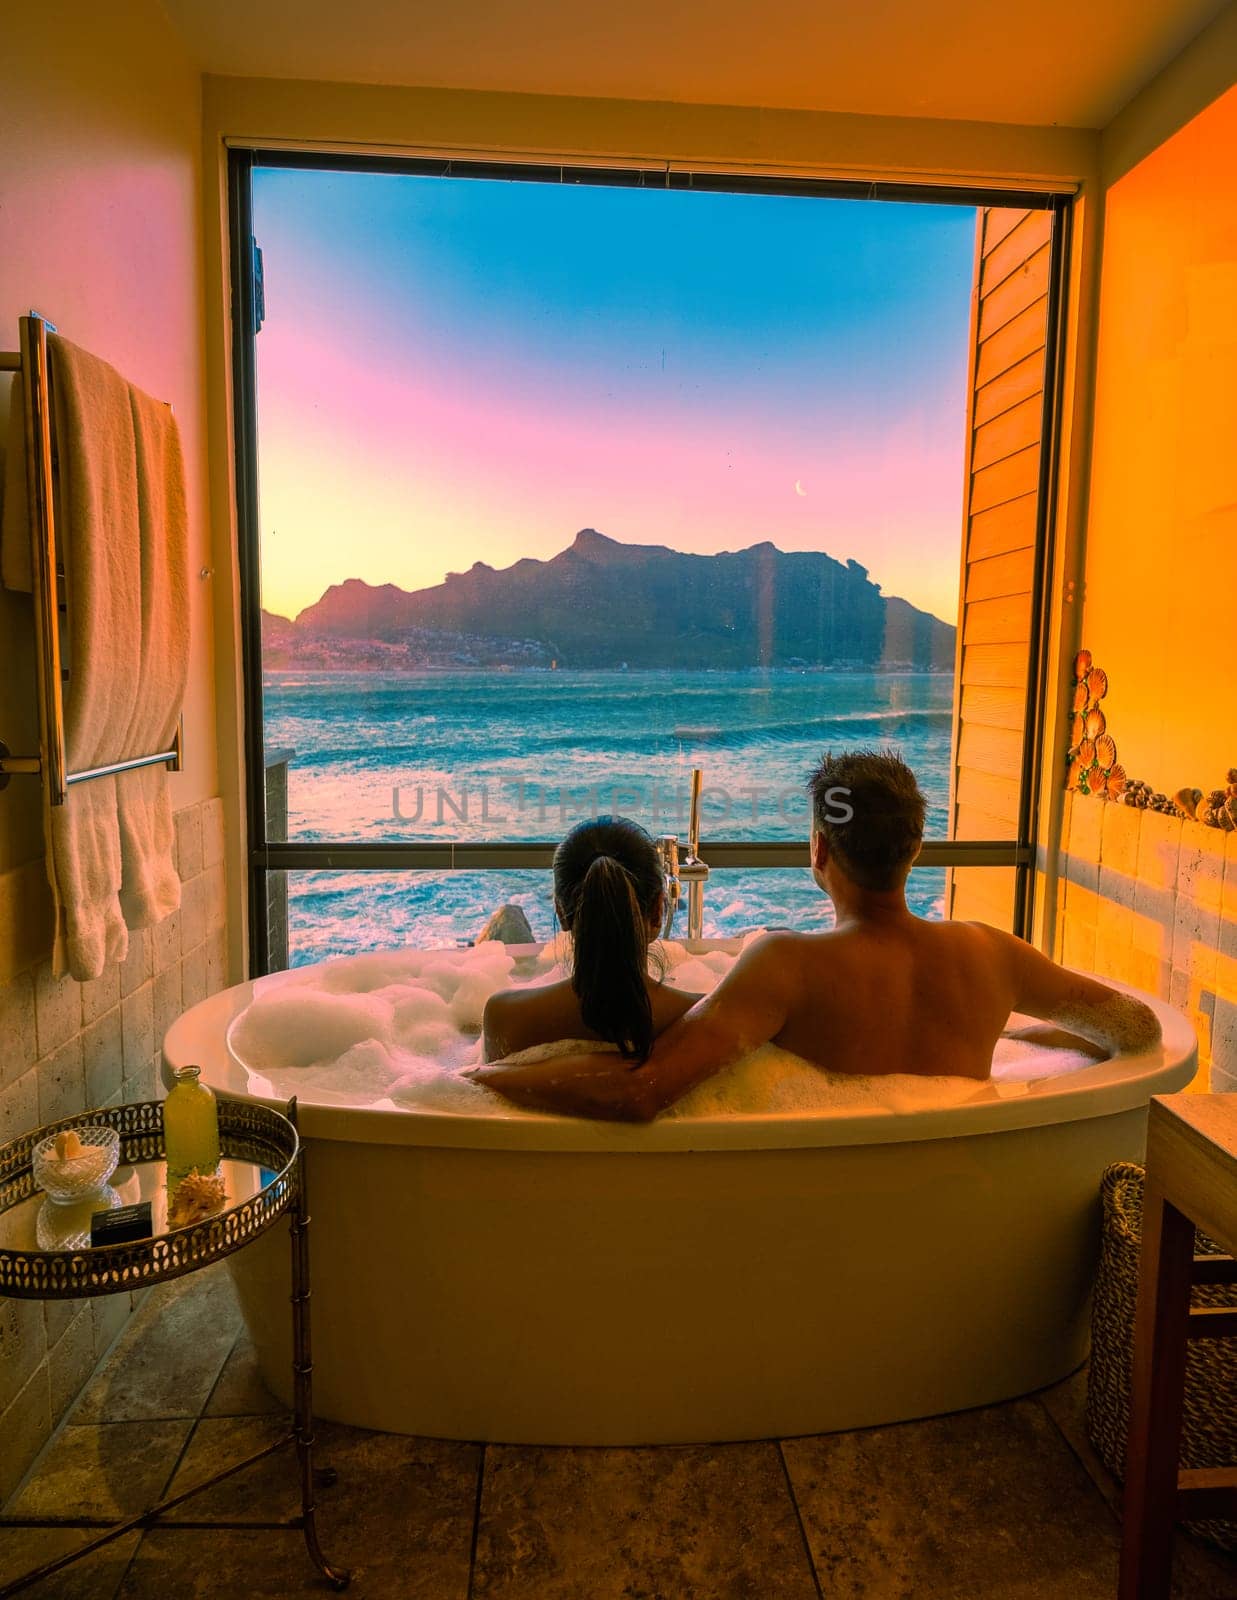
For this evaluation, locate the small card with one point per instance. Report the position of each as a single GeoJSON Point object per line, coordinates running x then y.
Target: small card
{"type": "Point", "coordinates": [121, 1226]}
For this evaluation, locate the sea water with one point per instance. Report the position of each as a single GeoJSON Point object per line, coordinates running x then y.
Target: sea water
{"type": "Point", "coordinates": [511, 756]}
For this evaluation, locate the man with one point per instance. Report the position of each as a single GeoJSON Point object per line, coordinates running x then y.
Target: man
{"type": "Point", "coordinates": [883, 991]}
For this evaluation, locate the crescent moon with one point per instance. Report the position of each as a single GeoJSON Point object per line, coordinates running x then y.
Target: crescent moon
{"type": "Point", "coordinates": [799, 489]}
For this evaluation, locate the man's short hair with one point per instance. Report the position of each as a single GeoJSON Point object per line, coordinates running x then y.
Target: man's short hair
{"type": "Point", "coordinates": [870, 809]}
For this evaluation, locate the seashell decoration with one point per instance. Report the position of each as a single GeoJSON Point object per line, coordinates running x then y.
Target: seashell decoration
{"type": "Point", "coordinates": [1094, 768]}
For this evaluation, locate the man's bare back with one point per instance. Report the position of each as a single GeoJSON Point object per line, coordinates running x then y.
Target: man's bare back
{"type": "Point", "coordinates": [909, 996]}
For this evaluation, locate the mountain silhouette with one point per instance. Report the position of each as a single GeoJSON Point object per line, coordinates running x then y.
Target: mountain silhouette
{"type": "Point", "coordinates": [600, 603]}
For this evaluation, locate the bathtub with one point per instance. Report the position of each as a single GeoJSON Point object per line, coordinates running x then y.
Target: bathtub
{"type": "Point", "coordinates": [531, 1279]}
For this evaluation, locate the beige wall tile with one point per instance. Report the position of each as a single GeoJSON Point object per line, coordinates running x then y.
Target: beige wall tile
{"type": "Point", "coordinates": [109, 1313]}
{"type": "Point", "coordinates": [70, 1362]}
{"type": "Point", "coordinates": [137, 1014]}
{"type": "Point", "coordinates": [100, 995]}
{"type": "Point", "coordinates": [62, 1082]}
{"type": "Point", "coordinates": [57, 1009]}
{"type": "Point", "coordinates": [18, 1050]}
{"type": "Point", "coordinates": [212, 832]}
{"type": "Point", "coordinates": [23, 1344]}
{"type": "Point", "coordinates": [165, 942]}
{"type": "Point", "coordinates": [24, 1427]}
{"type": "Point", "coordinates": [188, 823]}
{"type": "Point", "coordinates": [167, 1001]}
{"type": "Point", "coordinates": [19, 1106]}
{"type": "Point", "coordinates": [194, 896]}
{"type": "Point", "coordinates": [103, 1057]}
{"type": "Point", "coordinates": [138, 966]}
{"type": "Point", "coordinates": [193, 983]}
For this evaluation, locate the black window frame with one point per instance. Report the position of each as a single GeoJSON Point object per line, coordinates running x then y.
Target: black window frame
{"type": "Point", "coordinates": [267, 856]}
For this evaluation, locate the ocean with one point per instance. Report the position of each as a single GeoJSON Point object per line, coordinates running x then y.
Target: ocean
{"type": "Point", "coordinates": [523, 755]}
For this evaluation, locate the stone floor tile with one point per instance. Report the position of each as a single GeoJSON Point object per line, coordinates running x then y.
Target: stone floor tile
{"type": "Point", "coordinates": [269, 1491]}
{"type": "Point", "coordinates": [988, 1504]}
{"type": "Point", "coordinates": [240, 1391]}
{"type": "Point", "coordinates": [211, 1564]}
{"type": "Point", "coordinates": [1200, 1571]}
{"type": "Point", "coordinates": [1066, 1404]}
{"type": "Point", "coordinates": [694, 1522]}
{"type": "Point", "coordinates": [400, 1516]}
{"type": "Point", "coordinates": [96, 1577]}
{"type": "Point", "coordinates": [168, 1358]}
{"type": "Point", "coordinates": [113, 1470]}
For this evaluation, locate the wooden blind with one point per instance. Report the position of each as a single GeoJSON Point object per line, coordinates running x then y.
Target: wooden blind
{"type": "Point", "coordinates": [1008, 329]}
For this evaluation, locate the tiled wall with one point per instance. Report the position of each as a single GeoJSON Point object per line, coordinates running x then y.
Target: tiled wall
{"type": "Point", "coordinates": [66, 1047]}
{"type": "Point", "coordinates": [1152, 900]}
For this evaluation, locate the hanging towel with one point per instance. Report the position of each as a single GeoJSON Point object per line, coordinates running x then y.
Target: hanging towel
{"type": "Point", "coordinates": [14, 521]}
{"type": "Point", "coordinates": [150, 887]}
{"type": "Point", "coordinates": [99, 544]}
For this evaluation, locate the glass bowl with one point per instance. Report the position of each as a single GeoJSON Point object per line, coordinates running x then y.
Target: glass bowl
{"type": "Point", "coordinates": [66, 1179]}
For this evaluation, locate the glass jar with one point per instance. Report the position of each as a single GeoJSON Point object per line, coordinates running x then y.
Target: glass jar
{"type": "Point", "coordinates": [190, 1127]}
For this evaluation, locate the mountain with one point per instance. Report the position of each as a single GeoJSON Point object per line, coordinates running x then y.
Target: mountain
{"type": "Point", "coordinates": [600, 603]}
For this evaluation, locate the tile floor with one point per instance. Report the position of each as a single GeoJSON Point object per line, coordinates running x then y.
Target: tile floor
{"type": "Point", "coordinates": [1006, 1502]}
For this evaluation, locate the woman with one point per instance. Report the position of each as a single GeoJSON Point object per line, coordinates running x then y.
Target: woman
{"type": "Point", "coordinates": [609, 895]}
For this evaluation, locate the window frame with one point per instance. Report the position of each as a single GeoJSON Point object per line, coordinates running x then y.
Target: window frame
{"type": "Point", "coordinates": [267, 856]}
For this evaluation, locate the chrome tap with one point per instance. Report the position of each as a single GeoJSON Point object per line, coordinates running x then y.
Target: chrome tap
{"type": "Point", "coordinates": [691, 871]}
{"type": "Point", "coordinates": [668, 856]}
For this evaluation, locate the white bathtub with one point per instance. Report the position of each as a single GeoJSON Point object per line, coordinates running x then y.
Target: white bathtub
{"type": "Point", "coordinates": [531, 1279]}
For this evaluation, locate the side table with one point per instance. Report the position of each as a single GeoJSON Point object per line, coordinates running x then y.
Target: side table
{"type": "Point", "coordinates": [1191, 1182]}
{"type": "Point", "coordinates": [45, 1254]}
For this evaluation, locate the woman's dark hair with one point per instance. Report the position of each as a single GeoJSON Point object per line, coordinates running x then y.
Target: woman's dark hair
{"type": "Point", "coordinates": [607, 879]}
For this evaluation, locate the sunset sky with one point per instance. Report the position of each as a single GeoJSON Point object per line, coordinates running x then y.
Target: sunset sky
{"type": "Point", "coordinates": [455, 370]}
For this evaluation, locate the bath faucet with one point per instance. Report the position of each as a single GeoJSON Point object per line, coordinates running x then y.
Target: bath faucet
{"type": "Point", "coordinates": [692, 871]}
{"type": "Point", "coordinates": [668, 857]}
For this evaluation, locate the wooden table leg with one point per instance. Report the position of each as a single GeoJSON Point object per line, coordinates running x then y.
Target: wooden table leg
{"type": "Point", "coordinates": [1156, 1398]}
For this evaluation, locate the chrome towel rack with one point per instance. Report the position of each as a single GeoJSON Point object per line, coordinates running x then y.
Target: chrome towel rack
{"type": "Point", "coordinates": [30, 361]}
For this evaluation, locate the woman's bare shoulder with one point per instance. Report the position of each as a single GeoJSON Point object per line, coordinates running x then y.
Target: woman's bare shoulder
{"type": "Point", "coordinates": [515, 1019]}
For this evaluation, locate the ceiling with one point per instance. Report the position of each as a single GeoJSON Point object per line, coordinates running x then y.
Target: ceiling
{"type": "Point", "coordinates": [1073, 63]}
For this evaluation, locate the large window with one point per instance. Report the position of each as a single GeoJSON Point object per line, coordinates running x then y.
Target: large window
{"type": "Point", "coordinates": [554, 486]}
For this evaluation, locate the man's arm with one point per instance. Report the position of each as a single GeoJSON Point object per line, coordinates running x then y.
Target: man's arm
{"type": "Point", "coordinates": [1119, 1023]}
{"type": "Point", "coordinates": [746, 1010]}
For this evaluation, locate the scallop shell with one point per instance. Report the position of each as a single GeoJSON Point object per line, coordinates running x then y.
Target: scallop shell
{"type": "Point", "coordinates": [1086, 752]}
{"type": "Point", "coordinates": [1105, 746]}
{"type": "Point", "coordinates": [1095, 779]}
{"type": "Point", "coordinates": [1097, 683]}
{"type": "Point", "coordinates": [1096, 723]}
{"type": "Point", "coordinates": [1114, 783]}
{"type": "Point", "coordinates": [1073, 778]}
{"type": "Point", "coordinates": [1077, 730]}
{"type": "Point", "coordinates": [1082, 664]}
{"type": "Point", "coordinates": [1081, 698]}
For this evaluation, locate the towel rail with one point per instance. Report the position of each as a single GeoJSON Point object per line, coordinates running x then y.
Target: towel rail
{"type": "Point", "coordinates": [30, 360]}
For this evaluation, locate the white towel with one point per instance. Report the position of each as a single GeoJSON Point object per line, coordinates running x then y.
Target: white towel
{"type": "Point", "coordinates": [150, 888]}
{"type": "Point", "coordinates": [99, 542]}
{"type": "Point", "coordinates": [122, 538]}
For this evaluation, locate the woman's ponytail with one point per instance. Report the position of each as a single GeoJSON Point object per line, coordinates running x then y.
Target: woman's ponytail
{"type": "Point", "coordinates": [610, 939]}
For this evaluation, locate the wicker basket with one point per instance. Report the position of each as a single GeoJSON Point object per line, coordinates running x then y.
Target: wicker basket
{"type": "Point", "coordinates": [1209, 1426]}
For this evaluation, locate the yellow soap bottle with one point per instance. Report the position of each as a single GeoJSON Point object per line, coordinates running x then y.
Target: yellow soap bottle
{"type": "Point", "coordinates": [190, 1126]}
